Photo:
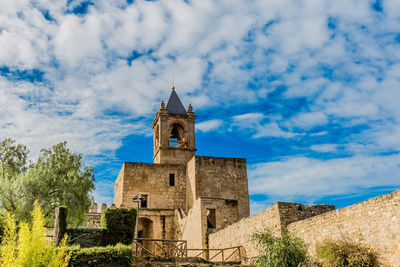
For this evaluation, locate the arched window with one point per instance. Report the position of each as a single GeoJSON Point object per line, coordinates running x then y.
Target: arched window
{"type": "Point", "coordinates": [176, 137]}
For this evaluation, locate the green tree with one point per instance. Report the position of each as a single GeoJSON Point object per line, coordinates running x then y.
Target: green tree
{"type": "Point", "coordinates": [58, 177]}
{"type": "Point", "coordinates": [13, 165]}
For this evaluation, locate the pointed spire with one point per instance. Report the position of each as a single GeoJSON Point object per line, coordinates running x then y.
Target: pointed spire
{"type": "Point", "coordinates": [174, 105]}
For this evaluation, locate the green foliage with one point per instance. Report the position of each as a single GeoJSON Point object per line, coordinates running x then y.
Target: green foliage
{"type": "Point", "coordinates": [59, 177]}
{"type": "Point", "coordinates": [13, 159]}
{"type": "Point", "coordinates": [28, 246]}
{"type": "Point", "coordinates": [120, 224]}
{"type": "Point", "coordinates": [345, 253]}
{"type": "Point", "coordinates": [13, 165]}
{"type": "Point", "coordinates": [284, 251]}
{"type": "Point", "coordinates": [119, 255]}
{"type": "Point", "coordinates": [88, 237]}
{"type": "Point", "coordinates": [118, 227]}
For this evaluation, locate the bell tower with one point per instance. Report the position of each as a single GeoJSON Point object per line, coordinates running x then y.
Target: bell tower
{"type": "Point", "coordinates": [173, 131]}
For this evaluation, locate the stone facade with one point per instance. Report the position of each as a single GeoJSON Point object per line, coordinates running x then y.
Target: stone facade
{"type": "Point", "coordinates": [374, 223]}
{"type": "Point", "coordinates": [184, 196]}
{"type": "Point", "coordinates": [276, 218]}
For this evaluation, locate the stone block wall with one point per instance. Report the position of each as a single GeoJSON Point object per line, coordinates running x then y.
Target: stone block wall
{"type": "Point", "coordinates": [239, 234]}
{"type": "Point", "coordinates": [152, 180]}
{"type": "Point", "coordinates": [194, 227]}
{"type": "Point", "coordinates": [119, 187]}
{"type": "Point", "coordinates": [374, 223]}
{"type": "Point", "coordinates": [191, 225]}
{"type": "Point", "coordinates": [226, 178]}
{"type": "Point", "coordinates": [161, 222]}
{"type": "Point", "coordinates": [276, 217]}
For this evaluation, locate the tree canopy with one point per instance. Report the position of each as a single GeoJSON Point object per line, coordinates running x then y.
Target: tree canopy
{"type": "Point", "coordinates": [58, 177]}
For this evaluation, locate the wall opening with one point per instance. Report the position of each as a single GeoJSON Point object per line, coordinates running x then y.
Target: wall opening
{"type": "Point", "coordinates": [146, 231]}
{"type": "Point", "coordinates": [211, 220]}
{"type": "Point", "coordinates": [176, 138]}
{"type": "Point", "coordinates": [143, 201]}
{"type": "Point", "coordinates": [171, 179]}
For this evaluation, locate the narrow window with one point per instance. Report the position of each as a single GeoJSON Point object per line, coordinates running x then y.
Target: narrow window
{"type": "Point", "coordinates": [171, 179]}
{"type": "Point", "coordinates": [211, 222]}
{"type": "Point", "coordinates": [143, 201]}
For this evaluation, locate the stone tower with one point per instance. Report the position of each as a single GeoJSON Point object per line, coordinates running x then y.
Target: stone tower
{"type": "Point", "coordinates": [173, 128]}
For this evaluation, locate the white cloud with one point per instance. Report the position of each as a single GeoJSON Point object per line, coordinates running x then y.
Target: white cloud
{"type": "Point", "coordinates": [221, 53]}
{"type": "Point", "coordinates": [307, 120]}
{"type": "Point", "coordinates": [210, 125]}
{"type": "Point", "coordinates": [312, 179]}
{"type": "Point", "coordinates": [324, 148]}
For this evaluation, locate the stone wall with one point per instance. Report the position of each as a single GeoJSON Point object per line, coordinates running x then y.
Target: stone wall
{"type": "Point", "coordinates": [374, 223]}
{"type": "Point", "coordinates": [119, 187]}
{"type": "Point", "coordinates": [190, 227]}
{"type": "Point", "coordinates": [194, 227]}
{"type": "Point", "coordinates": [225, 178]}
{"type": "Point", "coordinates": [153, 181]}
{"type": "Point", "coordinates": [276, 217]}
{"type": "Point", "coordinates": [160, 223]}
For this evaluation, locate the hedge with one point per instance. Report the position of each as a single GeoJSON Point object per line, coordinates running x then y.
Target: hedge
{"type": "Point", "coordinates": [118, 227]}
{"type": "Point", "coordinates": [87, 237]}
{"type": "Point", "coordinates": [110, 256]}
{"type": "Point", "coordinates": [120, 224]}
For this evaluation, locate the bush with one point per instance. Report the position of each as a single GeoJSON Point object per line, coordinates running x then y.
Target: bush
{"type": "Point", "coordinates": [345, 253]}
{"type": "Point", "coordinates": [284, 251]}
{"type": "Point", "coordinates": [28, 246]}
{"type": "Point", "coordinates": [120, 225]}
{"type": "Point", "coordinates": [119, 255]}
{"type": "Point", "coordinates": [87, 237]}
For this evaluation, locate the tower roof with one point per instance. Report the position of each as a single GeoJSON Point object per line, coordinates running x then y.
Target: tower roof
{"type": "Point", "coordinates": [174, 105]}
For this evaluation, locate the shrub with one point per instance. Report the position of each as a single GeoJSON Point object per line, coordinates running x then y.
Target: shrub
{"type": "Point", "coordinates": [345, 253]}
{"type": "Point", "coordinates": [87, 237]}
{"type": "Point", "coordinates": [119, 255]}
{"type": "Point", "coordinates": [285, 250]}
{"type": "Point", "coordinates": [120, 225]}
{"type": "Point", "coordinates": [28, 246]}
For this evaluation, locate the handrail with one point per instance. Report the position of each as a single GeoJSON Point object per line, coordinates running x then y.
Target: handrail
{"type": "Point", "coordinates": [178, 249]}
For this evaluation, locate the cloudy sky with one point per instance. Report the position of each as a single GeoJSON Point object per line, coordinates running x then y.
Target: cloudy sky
{"type": "Point", "coordinates": [307, 90]}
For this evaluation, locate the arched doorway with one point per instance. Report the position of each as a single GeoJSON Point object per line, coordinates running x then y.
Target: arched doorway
{"type": "Point", "coordinates": [145, 230]}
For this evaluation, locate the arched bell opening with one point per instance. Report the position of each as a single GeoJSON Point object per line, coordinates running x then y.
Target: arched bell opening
{"type": "Point", "coordinates": [177, 135]}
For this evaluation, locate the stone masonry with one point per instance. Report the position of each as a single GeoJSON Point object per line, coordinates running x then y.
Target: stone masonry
{"type": "Point", "coordinates": [185, 196]}
{"type": "Point", "coordinates": [374, 223]}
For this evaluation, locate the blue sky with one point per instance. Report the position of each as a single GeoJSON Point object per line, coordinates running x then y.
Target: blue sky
{"type": "Point", "coordinates": [308, 91]}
